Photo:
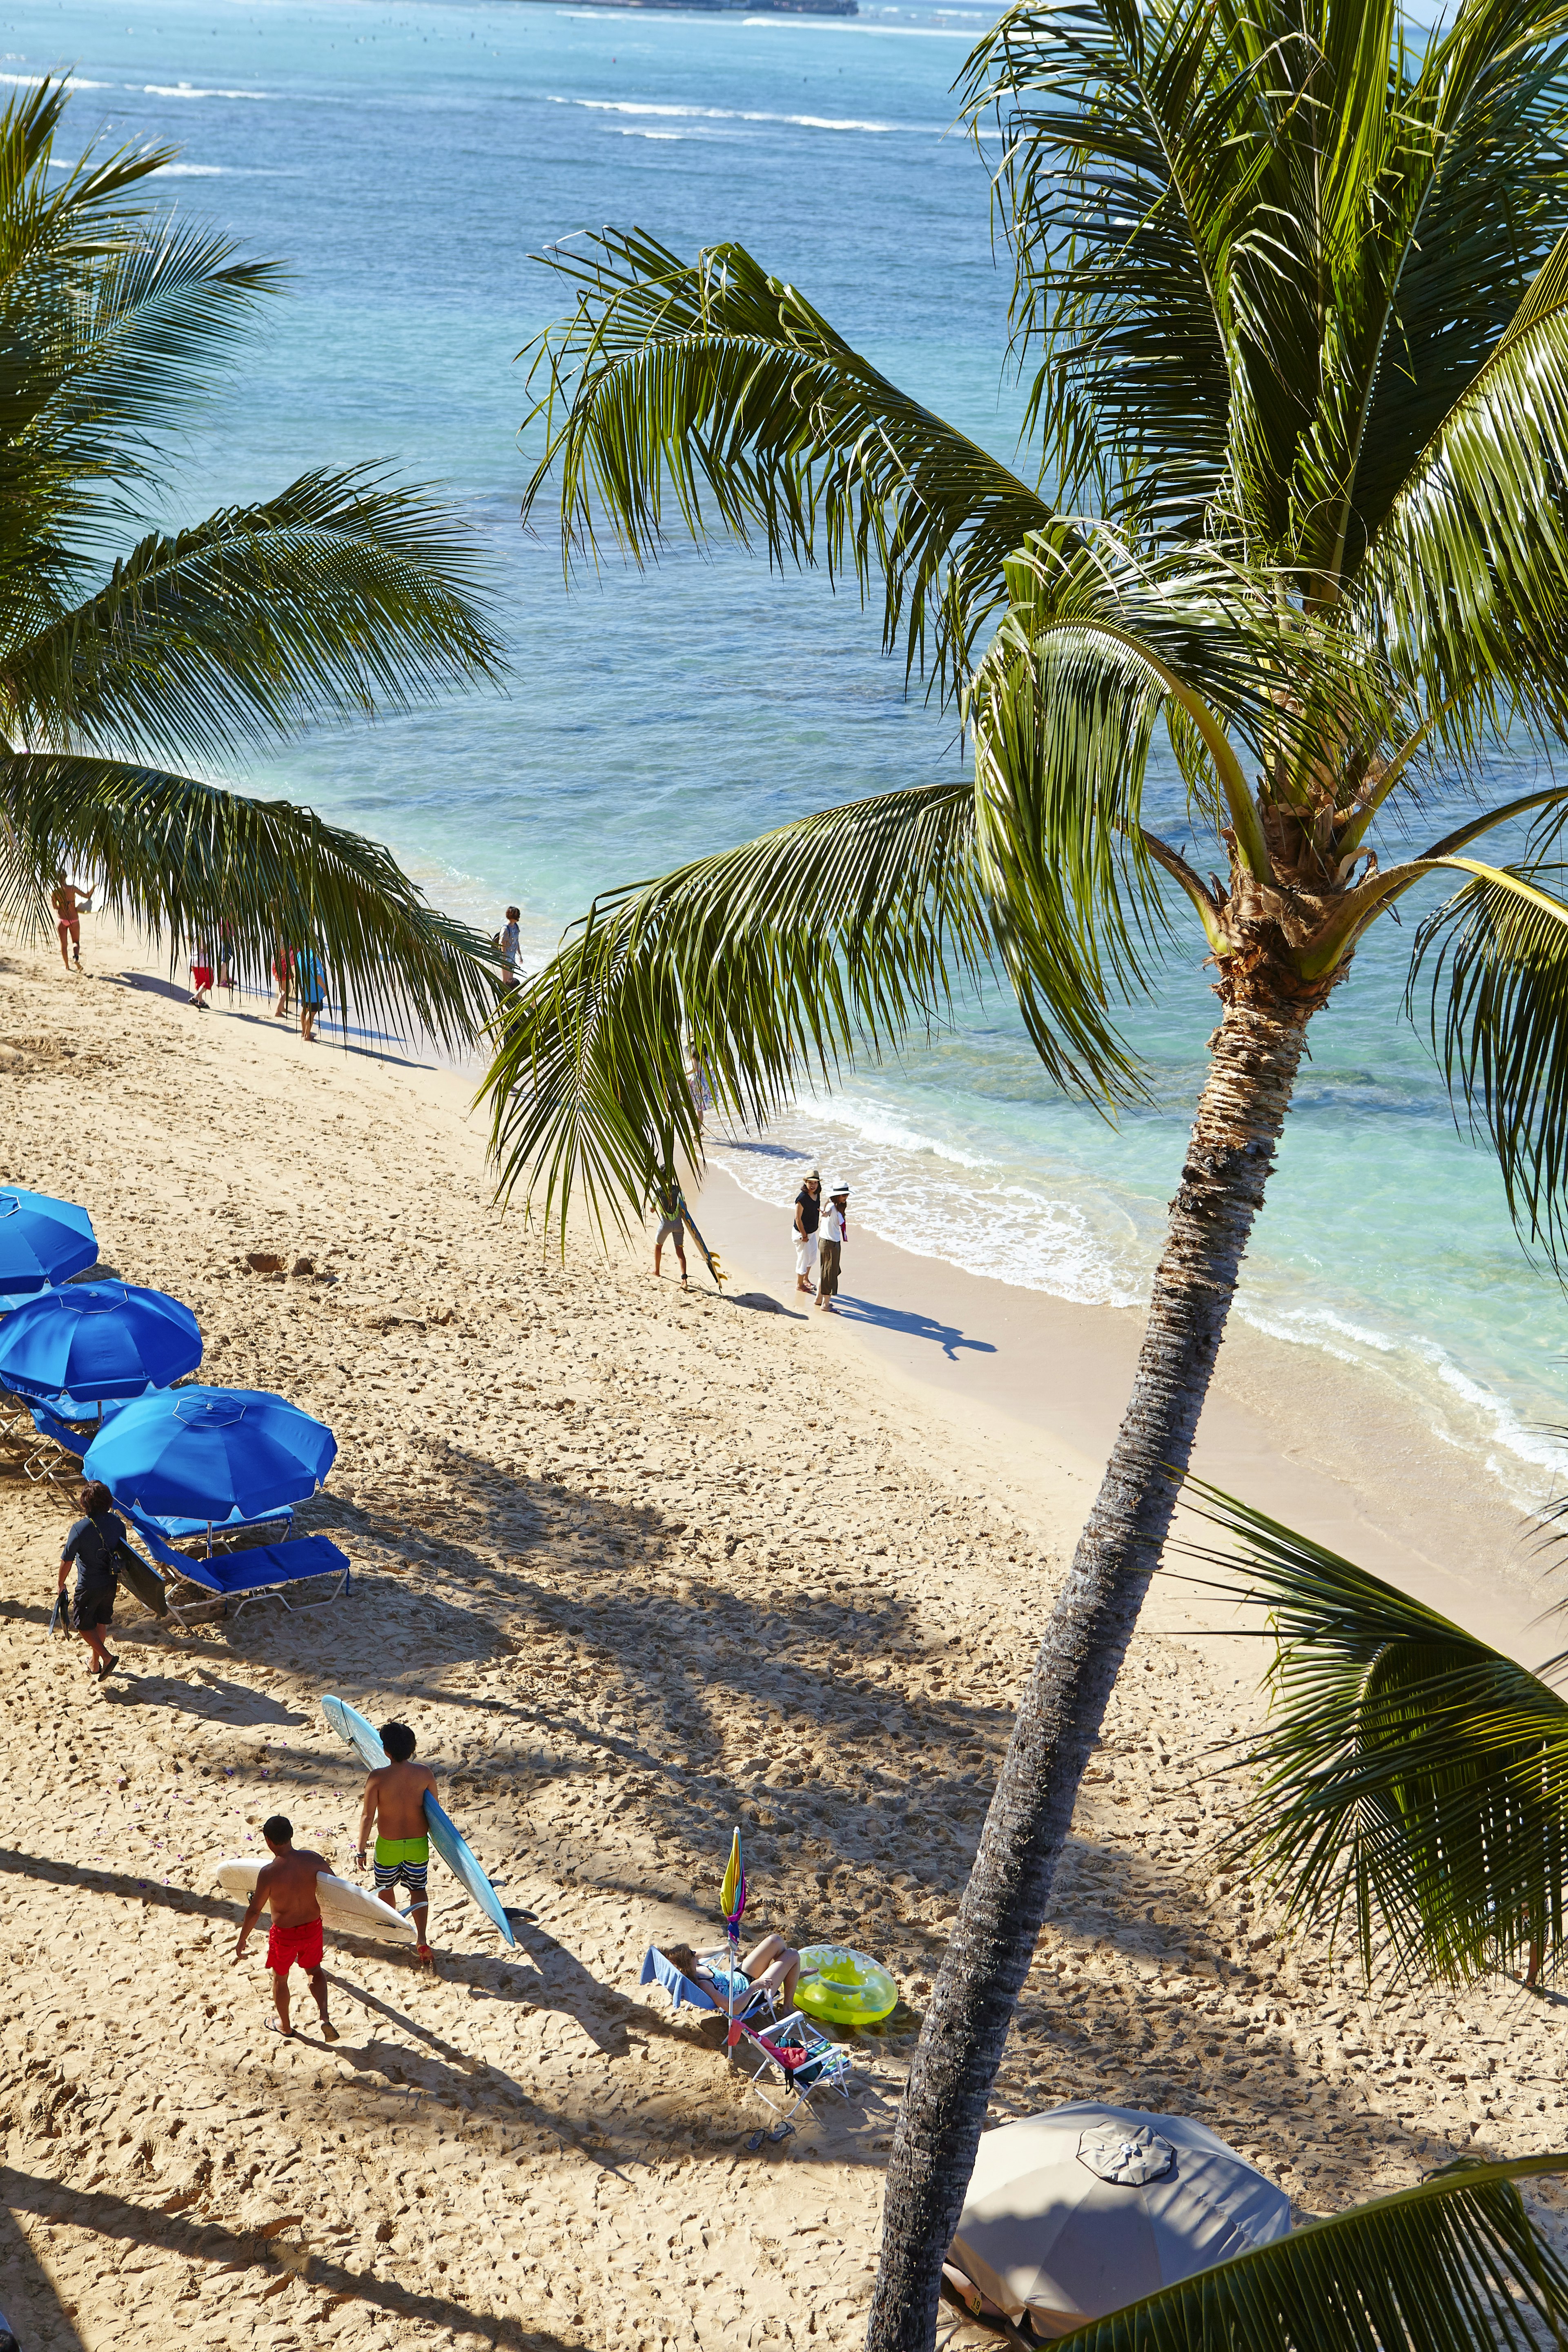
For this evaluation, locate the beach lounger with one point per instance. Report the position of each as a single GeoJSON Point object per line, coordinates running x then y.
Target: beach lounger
{"type": "Point", "coordinates": [260, 1574]}
{"type": "Point", "coordinates": [796, 2053]}
{"type": "Point", "coordinates": [63, 1439]}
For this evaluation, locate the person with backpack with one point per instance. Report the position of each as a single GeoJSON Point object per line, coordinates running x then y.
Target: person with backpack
{"type": "Point", "coordinates": [93, 1546]}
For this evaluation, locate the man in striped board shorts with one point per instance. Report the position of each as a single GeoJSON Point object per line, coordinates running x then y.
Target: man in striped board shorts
{"type": "Point", "coordinates": [394, 1808]}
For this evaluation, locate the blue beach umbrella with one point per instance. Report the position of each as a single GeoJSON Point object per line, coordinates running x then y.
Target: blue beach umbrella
{"type": "Point", "coordinates": [207, 1453]}
{"type": "Point", "coordinates": [41, 1240]}
{"type": "Point", "coordinates": [98, 1340]}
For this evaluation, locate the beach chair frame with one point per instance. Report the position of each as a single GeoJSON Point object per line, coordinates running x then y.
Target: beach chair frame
{"type": "Point", "coordinates": [828, 2063]}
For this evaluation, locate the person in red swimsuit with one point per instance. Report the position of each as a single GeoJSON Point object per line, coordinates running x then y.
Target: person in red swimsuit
{"type": "Point", "coordinates": [288, 1887]}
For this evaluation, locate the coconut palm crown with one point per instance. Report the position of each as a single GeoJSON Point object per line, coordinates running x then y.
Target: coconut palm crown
{"type": "Point", "coordinates": [1292, 298]}
{"type": "Point", "coordinates": [342, 596]}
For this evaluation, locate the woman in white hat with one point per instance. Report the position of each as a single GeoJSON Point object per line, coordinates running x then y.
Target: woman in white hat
{"type": "Point", "coordinates": [830, 1244]}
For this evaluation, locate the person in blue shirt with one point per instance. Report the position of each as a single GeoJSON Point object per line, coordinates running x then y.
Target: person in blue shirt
{"type": "Point", "coordinates": [311, 980]}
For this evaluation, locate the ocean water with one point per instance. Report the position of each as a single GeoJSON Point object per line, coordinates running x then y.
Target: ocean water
{"type": "Point", "coordinates": [408, 162]}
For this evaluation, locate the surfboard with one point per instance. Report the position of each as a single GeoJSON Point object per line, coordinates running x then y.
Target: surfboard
{"type": "Point", "coordinates": [352, 1909]}
{"type": "Point", "coordinates": [450, 1843]}
{"type": "Point", "coordinates": [714, 1269]}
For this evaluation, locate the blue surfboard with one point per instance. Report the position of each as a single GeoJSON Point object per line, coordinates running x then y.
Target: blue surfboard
{"type": "Point", "coordinates": [453, 1848]}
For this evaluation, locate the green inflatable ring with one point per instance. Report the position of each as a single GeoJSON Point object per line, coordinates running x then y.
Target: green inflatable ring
{"type": "Point", "coordinates": [844, 1987]}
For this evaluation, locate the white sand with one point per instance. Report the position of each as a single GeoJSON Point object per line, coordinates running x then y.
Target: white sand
{"type": "Point", "coordinates": [636, 1565]}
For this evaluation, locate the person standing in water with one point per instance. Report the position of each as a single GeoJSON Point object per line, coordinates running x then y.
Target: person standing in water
{"type": "Point", "coordinates": [509, 945]}
{"type": "Point", "coordinates": [287, 1888]}
{"type": "Point", "coordinates": [71, 903]}
{"type": "Point", "coordinates": [394, 1808]}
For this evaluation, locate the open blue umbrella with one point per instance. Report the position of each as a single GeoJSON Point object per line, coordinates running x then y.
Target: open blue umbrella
{"type": "Point", "coordinates": [41, 1240]}
{"type": "Point", "coordinates": [98, 1340]}
{"type": "Point", "coordinates": [206, 1453]}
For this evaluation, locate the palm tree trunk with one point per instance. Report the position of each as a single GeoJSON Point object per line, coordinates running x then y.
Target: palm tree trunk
{"type": "Point", "coordinates": [1256, 1052]}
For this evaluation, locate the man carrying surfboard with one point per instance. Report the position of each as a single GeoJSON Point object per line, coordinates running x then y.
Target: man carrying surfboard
{"type": "Point", "coordinates": [287, 1888]}
{"type": "Point", "coordinates": [394, 1808]}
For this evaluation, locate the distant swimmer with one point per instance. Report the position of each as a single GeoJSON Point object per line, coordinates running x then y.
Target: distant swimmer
{"type": "Point", "coordinates": [394, 1808]}
{"type": "Point", "coordinates": [286, 1886]}
{"type": "Point", "coordinates": [70, 902]}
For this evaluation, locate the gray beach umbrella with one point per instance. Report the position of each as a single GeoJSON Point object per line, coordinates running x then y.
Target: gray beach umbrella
{"type": "Point", "coordinates": [1075, 2212]}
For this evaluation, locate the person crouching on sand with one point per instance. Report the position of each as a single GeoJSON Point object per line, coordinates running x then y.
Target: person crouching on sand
{"type": "Point", "coordinates": [394, 1808]}
{"type": "Point", "coordinates": [288, 1887]}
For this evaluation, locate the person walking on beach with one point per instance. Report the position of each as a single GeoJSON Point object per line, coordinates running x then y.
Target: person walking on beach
{"type": "Point", "coordinates": [71, 903]}
{"type": "Point", "coordinates": [672, 1229]}
{"type": "Point", "coordinates": [507, 945]}
{"type": "Point", "coordinates": [282, 971]}
{"type": "Point", "coordinates": [394, 1808]}
{"type": "Point", "coordinates": [286, 1886]}
{"type": "Point", "coordinates": [202, 978]}
{"type": "Point", "coordinates": [92, 1544]}
{"type": "Point", "coordinates": [830, 1245]}
{"type": "Point", "coordinates": [808, 1217]}
{"type": "Point", "coordinates": [310, 974]}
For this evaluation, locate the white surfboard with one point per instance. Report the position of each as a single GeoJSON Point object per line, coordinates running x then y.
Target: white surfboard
{"type": "Point", "coordinates": [352, 1908]}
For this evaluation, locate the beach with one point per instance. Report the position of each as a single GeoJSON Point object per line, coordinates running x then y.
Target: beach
{"type": "Point", "coordinates": [639, 1567]}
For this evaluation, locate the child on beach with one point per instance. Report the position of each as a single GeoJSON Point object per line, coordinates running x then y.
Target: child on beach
{"type": "Point", "coordinates": [286, 1886]}
{"type": "Point", "coordinates": [394, 1808]}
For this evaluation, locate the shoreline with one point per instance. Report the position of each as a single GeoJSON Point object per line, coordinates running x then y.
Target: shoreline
{"type": "Point", "coordinates": [1039, 1384]}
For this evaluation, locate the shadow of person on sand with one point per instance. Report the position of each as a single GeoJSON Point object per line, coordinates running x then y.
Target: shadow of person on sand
{"type": "Point", "coordinates": [208, 1701]}
{"type": "Point", "coordinates": [911, 1326]}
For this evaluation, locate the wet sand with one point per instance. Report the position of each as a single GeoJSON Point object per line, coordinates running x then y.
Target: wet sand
{"type": "Point", "coordinates": [637, 1565]}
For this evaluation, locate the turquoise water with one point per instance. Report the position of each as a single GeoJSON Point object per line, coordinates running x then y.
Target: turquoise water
{"type": "Point", "coordinates": [406, 161]}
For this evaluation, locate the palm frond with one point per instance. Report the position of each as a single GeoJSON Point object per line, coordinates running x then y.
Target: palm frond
{"type": "Point", "coordinates": [1496, 960]}
{"type": "Point", "coordinates": [1454, 2264]}
{"type": "Point", "coordinates": [1475, 150]}
{"type": "Point", "coordinates": [1097, 643]}
{"type": "Point", "coordinates": [712, 394]}
{"type": "Point", "coordinates": [775, 963]}
{"type": "Point", "coordinates": [1121, 172]}
{"type": "Point", "coordinates": [1464, 580]}
{"type": "Point", "coordinates": [343, 595]}
{"type": "Point", "coordinates": [1412, 1779]}
{"type": "Point", "coordinates": [189, 865]}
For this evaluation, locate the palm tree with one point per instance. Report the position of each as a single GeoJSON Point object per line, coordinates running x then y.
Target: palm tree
{"type": "Point", "coordinates": [1291, 290]}
{"type": "Point", "coordinates": [1411, 1779]}
{"type": "Point", "coordinates": [343, 595]}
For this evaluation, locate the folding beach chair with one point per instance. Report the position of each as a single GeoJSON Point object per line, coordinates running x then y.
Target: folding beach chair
{"type": "Point", "coordinates": [798, 2058]}
{"type": "Point", "coordinates": [64, 1448]}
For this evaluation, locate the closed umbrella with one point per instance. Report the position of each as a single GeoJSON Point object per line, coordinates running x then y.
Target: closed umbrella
{"type": "Point", "coordinates": [1076, 2212]}
{"type": "Point", "coordinates": [98, 1340]}
{"type": "Point", "coordinates": [211, 1454]}
{"type": "Point", "coordinates": [41, 1240]}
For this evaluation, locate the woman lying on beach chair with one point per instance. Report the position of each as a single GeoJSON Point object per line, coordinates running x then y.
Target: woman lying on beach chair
{"type": "Point", "coordinates": [806, 2058]}
{"type": "Point", "coordinates": [770, 1969]}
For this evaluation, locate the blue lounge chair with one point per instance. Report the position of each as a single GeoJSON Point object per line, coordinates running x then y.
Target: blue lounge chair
{"type": "Point", "coordinates": [241, 1577]}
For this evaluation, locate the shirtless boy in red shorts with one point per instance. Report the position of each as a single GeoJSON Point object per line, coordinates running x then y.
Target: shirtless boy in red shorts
{"type": "Point", "coordinates": [289, 1884]}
